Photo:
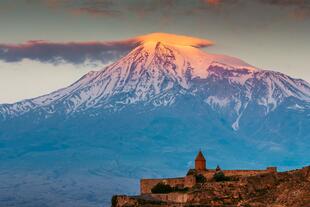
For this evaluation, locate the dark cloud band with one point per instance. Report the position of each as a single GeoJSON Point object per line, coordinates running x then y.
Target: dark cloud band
{"type": "Point", "coordinates": [73, 52]}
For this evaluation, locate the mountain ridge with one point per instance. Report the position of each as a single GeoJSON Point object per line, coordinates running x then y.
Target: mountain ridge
{"type": "Point", "coordinates": [153, 69]}
{"type": "Point", "coordinates": [134, 118]}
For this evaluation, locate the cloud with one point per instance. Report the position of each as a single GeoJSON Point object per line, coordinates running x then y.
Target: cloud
{"type": "Point", "coordinates": [287, 2]}
{"type": "Point", "coordinates": [166, 9]}
{"type": "Point", "coordinates": [95, 12]}
{"type": "Point", "coordinates": [73, 52]}
{"type": "Point", "coordinates": [79, 52]}
{"type": "Point", "coordinates": [104, 8]}
{"type": "Point", "coordinates": [213, 2]}
{"type": "Point", "coordinates": [116, 8]}
{"type": "Point", "coordinates": [174, 39]}
{"type": "Point", "coordinates": [301, 8]}
{"type": "Point", "coordinates": [96, 8]}
{"type": "Point", "coordinates": [301, 13]}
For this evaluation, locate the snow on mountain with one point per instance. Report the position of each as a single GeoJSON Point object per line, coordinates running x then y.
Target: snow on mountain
{"type": "Point", "coordinates": [161, 102]}
{"type": "Point", "coordinates": [155, 73]}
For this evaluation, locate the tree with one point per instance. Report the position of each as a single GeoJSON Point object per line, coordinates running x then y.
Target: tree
{"type": "Point", "coordinates": [200, 178]}
{"type": "Point", "coordinates": [162, 188]}
{"type": "Point", "coordinates": [220, 176]}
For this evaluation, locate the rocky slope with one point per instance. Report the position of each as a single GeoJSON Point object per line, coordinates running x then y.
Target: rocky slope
{"type": "Point", "coordinates": [284, 189]}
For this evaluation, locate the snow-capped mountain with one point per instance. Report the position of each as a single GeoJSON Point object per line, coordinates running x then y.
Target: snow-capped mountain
{"type": "Point", "coordinates": [158, 73]}
{"type": "Point", "coordinates": [146, 115]}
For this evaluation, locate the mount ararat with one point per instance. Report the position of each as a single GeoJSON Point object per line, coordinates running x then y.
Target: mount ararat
{"type": "Point", "coordinates": [161, 102]}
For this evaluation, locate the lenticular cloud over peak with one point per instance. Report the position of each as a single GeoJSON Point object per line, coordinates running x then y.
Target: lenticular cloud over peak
{"type": "Point", "coordinates": [174, 39]}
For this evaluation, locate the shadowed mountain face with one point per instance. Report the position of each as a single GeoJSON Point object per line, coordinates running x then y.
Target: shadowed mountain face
{"type": "Point", "coordinates": [145, 116]}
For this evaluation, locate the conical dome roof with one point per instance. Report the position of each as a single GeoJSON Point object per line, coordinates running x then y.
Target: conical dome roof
{"type": "Point", "coordinates": [200, 157]}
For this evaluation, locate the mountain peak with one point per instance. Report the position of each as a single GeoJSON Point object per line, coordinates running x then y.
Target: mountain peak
{"type": "Point", "coordinates": [183, 57]}
{"type": "Point", "coordinates": [182, 51]}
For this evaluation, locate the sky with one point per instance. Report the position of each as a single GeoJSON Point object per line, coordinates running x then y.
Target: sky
{"type": "Point", "coordinates": [48, 44]}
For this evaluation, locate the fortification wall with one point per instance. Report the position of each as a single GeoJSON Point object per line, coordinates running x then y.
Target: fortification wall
{"type": "Point", "coordinates": [172, 197]}
{"type": "Point", "coordinates": [210, 172]}
{"type": "Point", "coordinates": [146, 185]}
{"type": "Point", "coordinates": [249, 172]}
{"type": "Point", "coordinates": [189, 181]}
{"type": "Point", "coordinates": [243, 172]}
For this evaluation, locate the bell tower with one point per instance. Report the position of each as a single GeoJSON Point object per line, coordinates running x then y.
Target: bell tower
{"type": "Point", "coordinates": [200, 162]}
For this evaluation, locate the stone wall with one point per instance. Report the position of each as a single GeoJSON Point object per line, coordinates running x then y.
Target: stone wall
{"type": "Point", "coordinates": [172, 197]}
{"type": "Point", "coordinates": [189, 181]}
{"type": "Point", "coordinates": [146, 185]}
{"type": "Point", "coordinates": [243, 172]}
{"type": "Point", "coordinates": [209, 173]}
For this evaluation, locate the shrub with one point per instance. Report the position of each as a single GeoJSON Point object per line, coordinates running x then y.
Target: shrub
{"type": "Point", "coordinates": [166, 188]}
{"type": "Point", "coordinates": [114, 201]}
{"type": "Point", "coordinates": [162, 188]}
{"type": "Point", "coordinates": [200, 178]}
{"type": "Point", "coordinates": [220, 176]}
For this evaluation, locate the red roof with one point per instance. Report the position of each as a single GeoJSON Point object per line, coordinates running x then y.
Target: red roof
{"type": "Point", "coordinates": [200, 157]}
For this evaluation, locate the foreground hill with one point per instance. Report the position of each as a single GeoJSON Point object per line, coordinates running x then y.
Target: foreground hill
{"type": "Point", "coordinates": [284, 189]}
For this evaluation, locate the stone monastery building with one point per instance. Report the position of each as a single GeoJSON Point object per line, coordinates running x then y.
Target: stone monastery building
{"type": "Point", "coordinates": [189, 180]}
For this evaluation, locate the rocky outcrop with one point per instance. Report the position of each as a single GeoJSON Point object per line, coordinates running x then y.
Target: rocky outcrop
{"type": "Point", "coordinates": [283, 189]}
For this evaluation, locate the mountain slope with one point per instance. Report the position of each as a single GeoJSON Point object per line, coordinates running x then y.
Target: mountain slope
{"type": "Point", "coordinates": [134, 118]}
{"type": "Point", "coordinates": [155, 73]}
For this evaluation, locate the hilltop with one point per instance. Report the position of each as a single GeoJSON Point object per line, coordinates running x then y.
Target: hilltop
{"type": "Point", "coordinates": [280, 189]}
{"type": "Point", "coordinates": [203, 186]}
